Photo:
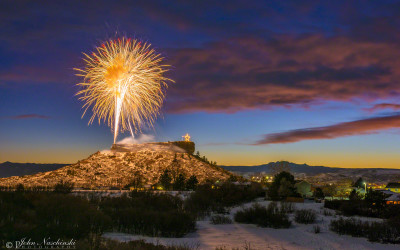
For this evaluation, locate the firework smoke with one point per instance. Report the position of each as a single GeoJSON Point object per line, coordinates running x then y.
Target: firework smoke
{"type": "Point", "coordinates": [123, 84]}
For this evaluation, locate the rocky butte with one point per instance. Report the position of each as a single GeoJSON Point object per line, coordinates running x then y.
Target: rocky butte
{"type": "Point", "coordinates": [118, 166]}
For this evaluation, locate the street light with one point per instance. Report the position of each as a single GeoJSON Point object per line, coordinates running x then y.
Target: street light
{"type": "Point", "coordinates": [365, 189]}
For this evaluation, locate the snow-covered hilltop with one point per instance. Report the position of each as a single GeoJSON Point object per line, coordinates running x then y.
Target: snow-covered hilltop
{"type": "Point", "coordinates": [120, 165]}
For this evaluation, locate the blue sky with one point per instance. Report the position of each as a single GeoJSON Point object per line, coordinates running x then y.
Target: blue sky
{"type": "Point", "coordinates": [310, 82]}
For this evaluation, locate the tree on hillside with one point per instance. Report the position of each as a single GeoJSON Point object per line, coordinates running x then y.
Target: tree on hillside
{"type": "Point", "coordinates": [191, 183]}
{"type": "Point", "coordinates": [174, 168]}
{"type": "Point", "coordinates": [20, 188]}
{"type": "Point", "coordinates": [354, 195]}
{"type": "Point", "coordinates": [137, 180]}
{"type": "Point", "coordinates": [179, 183]}
{"type": "Point", "coordinates": [329, 190]}
{"type": "Point", "coordinates": [286, 188]}
{"type": "Point", "coordinates": [282, 186]}
{"type": "Point", "coordinates": [359, 183]}
{"type": "Point", "coordinates": [319, 194]}
{"type": "Point", "coordinates": [375, 198]}
{"type": "Point", "coordinates": [63, 187]}
{"type": "Point", "coordinates": [165, 180]}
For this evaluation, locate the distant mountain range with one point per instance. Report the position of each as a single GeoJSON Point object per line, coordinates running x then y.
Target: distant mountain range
{"type": "Point", "coordinates": [8, 169]}
{"type": "Point", "coordinates": [295, 168]}
{"type": "Point", "coordinates": [306, 169]}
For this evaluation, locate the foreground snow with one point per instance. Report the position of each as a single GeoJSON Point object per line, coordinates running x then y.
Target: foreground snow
{"type": "Point", "coordinates": [237, 235]}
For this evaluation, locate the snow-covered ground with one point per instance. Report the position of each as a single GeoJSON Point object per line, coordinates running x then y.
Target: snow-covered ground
{"type": "Point", "coordinates": [298, 236]}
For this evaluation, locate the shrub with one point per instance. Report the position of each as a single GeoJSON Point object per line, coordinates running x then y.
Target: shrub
{"type": "Point", "coordinates": [63, 187]}
{"type": "Point", "coordinates": [326, 212]}
{"type": "Point", "coordinates": [220, 219]}
{"type": "Point", "coordinates": [287, 207]}
{"type": "Point", "coordinates": [35, 214]}
{"type": "Point", "coordinates": [270, 216]}
{"type": "Point", "coordinates": [334, 204]}
{"type": "Point", "coordinates": [149, 214]}
{"type": "Point", "coordinates": [191, 183]}
{"type": "Point", "coordinates": [108, 244]}
{"type": "Point", "coordinates": [206, 199]}
{"type": "Point", "coordinates": [363, 208]}
{"type": "Point", "coordinates": [305, 216]}
{"type": "Point", "coordinates": [384, 232]}
{"type": "Point", "coordinates": [316, 229]}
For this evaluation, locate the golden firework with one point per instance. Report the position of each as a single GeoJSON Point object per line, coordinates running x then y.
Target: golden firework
{"type": "Point", "coordinates": [123, 84]}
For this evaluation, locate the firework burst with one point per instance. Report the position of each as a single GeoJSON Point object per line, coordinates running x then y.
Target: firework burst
{"type": "Point", "coordinates": [123, 84]}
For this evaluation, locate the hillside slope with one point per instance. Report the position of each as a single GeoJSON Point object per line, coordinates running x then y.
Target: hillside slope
{"type": "Point", "coordinates": [118, 168]}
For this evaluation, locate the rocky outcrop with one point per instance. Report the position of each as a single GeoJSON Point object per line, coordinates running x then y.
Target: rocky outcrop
{"type": "Point", "coordinates": [118, 167]}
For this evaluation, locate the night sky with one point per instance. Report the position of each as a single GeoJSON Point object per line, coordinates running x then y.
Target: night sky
{"type": "Point", "coordinates": [313, 82]}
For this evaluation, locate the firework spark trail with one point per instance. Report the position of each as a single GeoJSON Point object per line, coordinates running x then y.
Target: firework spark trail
{"type": "Point", "coordinates": [123, 85]}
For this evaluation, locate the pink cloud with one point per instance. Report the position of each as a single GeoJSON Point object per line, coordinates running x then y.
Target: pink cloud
{"type": "Point", "coordinates": [358, 127]}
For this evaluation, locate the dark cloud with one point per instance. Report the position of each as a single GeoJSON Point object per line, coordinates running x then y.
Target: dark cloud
{"type": "Point", "coordinates": [358, 127]}
{"type": "Point", "coordinates": [29, 116]}
{"type": "Point", "coordinates": [228, 55]}
{"type": "Point", "coordinates": [253, 73]}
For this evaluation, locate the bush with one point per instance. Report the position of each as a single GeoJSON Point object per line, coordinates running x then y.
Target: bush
{"type": "Point", "coordinates": [334, 204]}
{"type": "Point", "coordinates": [363, 208]}
{"type": "Point", "coordinates": [326, 212]}
{"type": "Point", "coordinates": [316, 229]}
{"type": "Point", "coordinates": [287, 207]}
{"type": "Point", "coordinates": [63, 187]}
{"type": "Point", "coordinates": [220, 219]}
{"type": "Point", "coordinates": [101, 244]}
{"type": "Point", "coordinates": [305, 216]}
{"type": "Point", "coordinates": [383, 232]}
{"type": "Point", "coordinates": [270, 216]}
{"type": "Point", "coordinates": [206, 199]}
{"type": "Point", "coordinates": [38, 214]}
{"type": "Point", "coordinates": [149, 214]}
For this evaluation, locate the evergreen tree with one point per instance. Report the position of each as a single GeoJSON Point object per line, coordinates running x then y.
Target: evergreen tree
{"type": "Point", "coordinates": [191, 183]}
{"type": "Point", "coordinates": [20, 188]}
{"type": "Point", "coordinates": [165, 180]}
{"type": "Point", "coordinates": [63, 187]}
{"type": "Point", "coordinates": [375, 198]}
{"type": "Point", "coordinates": [179, 183]}
{"type": "Point", "coordinates": [319, 194]}
{"type": "Point", "coordinates": [354, 195]}
{"type": "Point", "coordinates": [137, 180]}
{"type": "Point", "coordinates": [276, 192]}
{"type": "Point", "coordinates": [359, 183]}
{"type": "Point", "coordinates": [286, 188]}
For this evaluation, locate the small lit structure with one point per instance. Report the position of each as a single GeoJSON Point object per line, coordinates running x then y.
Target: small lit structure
{"type": "Point", "coordinates": [393, 186]}
{"type": "Point", "coordinates": [303, 188]}
{"type": "Point", "coordinates": [392, 197]}
{"type": "Point", "coordinates": [186, 137]}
